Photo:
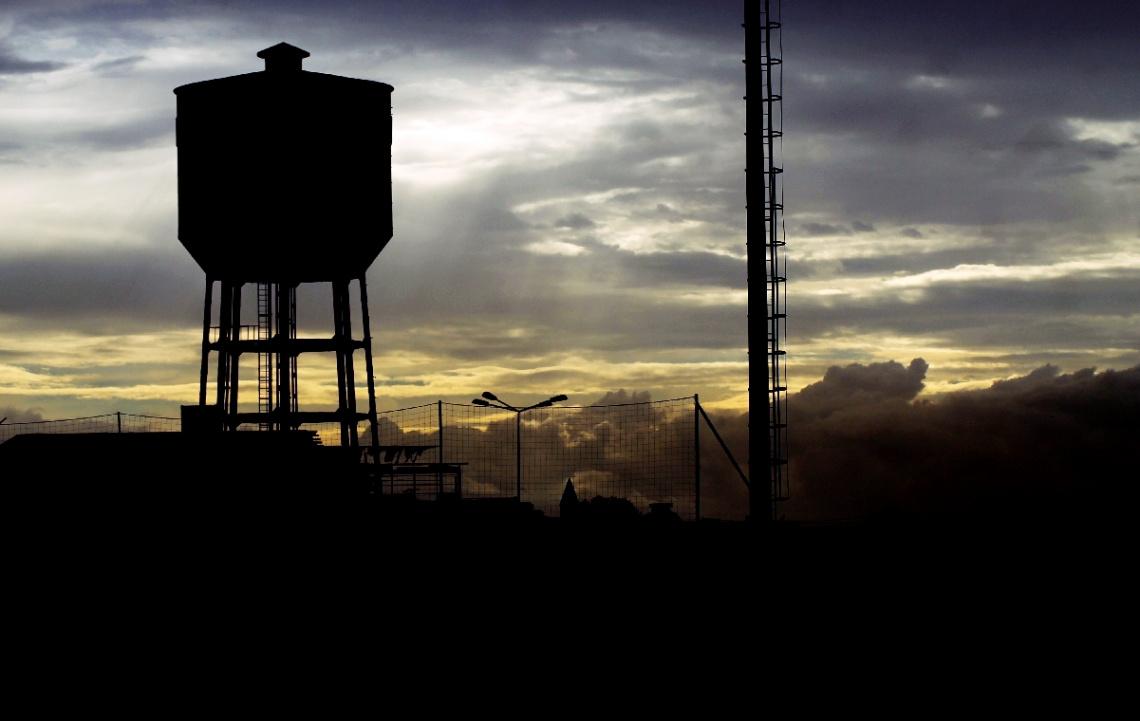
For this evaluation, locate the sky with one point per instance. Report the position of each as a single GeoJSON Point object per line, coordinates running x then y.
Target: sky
{"type": "Point", "coordinates": [960, 183]}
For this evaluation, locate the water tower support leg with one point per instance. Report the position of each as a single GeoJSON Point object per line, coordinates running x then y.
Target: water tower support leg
{"type": "Point", "coordinates": [295, 407]}
{"type": "Point", "coordinates": [285, 307]}
{"type": "Point", "coordinates": [224, 319]}
{"type": "Point", "coordinates": [206, 341]}
{"type": "Point", "coordinates": [368, 363]}
{"type": "Point", "coordinates": [235, 334]}
{"type": "Point", "coordinates": [349, 371]}
{"type": "Point", "coordinates": [341, 336]}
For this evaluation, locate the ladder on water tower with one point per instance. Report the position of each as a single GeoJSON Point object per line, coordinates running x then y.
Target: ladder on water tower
{"type": "Point", "coordinates": [264, 357]}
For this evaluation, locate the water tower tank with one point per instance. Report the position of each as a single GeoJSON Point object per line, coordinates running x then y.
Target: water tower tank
{"type": "Point", "coordinates": [284, 175]}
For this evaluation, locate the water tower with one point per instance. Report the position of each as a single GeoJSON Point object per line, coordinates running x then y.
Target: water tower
{"type": "Point", "coordinates": [284, 178]}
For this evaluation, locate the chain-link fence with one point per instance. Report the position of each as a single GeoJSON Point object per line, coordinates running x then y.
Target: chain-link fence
{"type": "Point", "coordinates": [642, 452]}
{"type": "Point", "coordinates": [106, 423]}
{"type": "Point", "coordinates": [329, 433]}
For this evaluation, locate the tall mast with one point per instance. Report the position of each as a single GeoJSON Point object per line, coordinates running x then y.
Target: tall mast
{"type": "Point", "coordinates": [768, 436]}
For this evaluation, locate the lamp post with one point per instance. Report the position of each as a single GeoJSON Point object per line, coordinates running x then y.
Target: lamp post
{"type": "Point", "coordinates": [489, 399]}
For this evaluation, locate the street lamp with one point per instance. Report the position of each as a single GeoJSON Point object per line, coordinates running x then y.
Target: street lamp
{"type": "Point", "coordinates": [491, 400]}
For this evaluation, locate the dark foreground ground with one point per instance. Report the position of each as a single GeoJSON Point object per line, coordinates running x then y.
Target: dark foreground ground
{"type": "Point", "coordinates": [155, 504]}
{"type": "Point", "coordinates": [144, 575]}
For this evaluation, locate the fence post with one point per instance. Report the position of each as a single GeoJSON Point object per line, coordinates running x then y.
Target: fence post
{"type": "Point", "coordinates": [439, 474]}
{"type": "Point", "coordinates": [697, 450]}
{"type": "Point", "coordinates": [119, 420]}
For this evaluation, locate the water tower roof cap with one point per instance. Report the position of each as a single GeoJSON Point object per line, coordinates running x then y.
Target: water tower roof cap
{"type": "Point", "coordinates": [283, 56]}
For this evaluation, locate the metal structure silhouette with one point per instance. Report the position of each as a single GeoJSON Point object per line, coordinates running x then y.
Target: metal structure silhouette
{"type": "Point", "coordinates": [284, 178]}
{"type": "Point", "coordinates": [765, 123]}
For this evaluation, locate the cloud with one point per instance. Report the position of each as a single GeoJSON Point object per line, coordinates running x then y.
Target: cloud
{"type": "Point", "coordinates": [858, 385]}
{"type": "Point", "coordinates": [575, 221]}
{"type": "Point", "coordinates": [12, 64]}
{"type": "Point", "coordinates": [20, 415]}
{"type": "Point", "coordinates": [1039, 310]}
{"type": "Point", "coordinates": [1044, 375]}
{"type": "Point", "coordinates": [141, 288]}
{"type": "Point", "coordinates": [723, 493]}
{"type": "Point", "coordinates": [521, 125]}
{"type": "Point", "coordinates": [898, 122]}
{"type": "Point", "coordinates": [121, 136]}
{"type": "Point", "coordinates": [665, 211]}
{"type": "Point", "coordinates": [118, 67]}
{"type": "Point", "coordinates": [1044, 446]}
{"type": "Point", "coordinates": [629, 448]}
{"type": "Point", "coordinates": [821, 229]}
{"type": "Point", "coordinates": [620, 397]}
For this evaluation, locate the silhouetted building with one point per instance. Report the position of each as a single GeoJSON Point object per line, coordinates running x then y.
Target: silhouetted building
{"type": "Point", "coordinates": [568, 506]}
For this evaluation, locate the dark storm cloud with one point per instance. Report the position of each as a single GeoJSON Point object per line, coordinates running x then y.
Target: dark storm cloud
{"type": "Point", "coordinates": [576, 221]}
{"type": "Point", "coordinates": [533, 32]}
{"type": "Point", "coordinates": [12, 64]}
{"type": "Point", "coordinates": [858, 384]}
{"type": "Point", "coordinates": [937, 181]}
{"type": "Point", "coordinates": [954, 114]}
{"type": "Point", "coordinates": [724, 495]}
{"type": "Point", "coordinates": [820, 229]}
{"type": "Point", "coordinates": [502, 31]}
{"type": "Point", "coordinates": [803, 269]}
{"type": "Point", "coordinates": [911, 263]}
{"type": "Point", "coordinates": [599, 324]}
{"type": "Point", "coordinates": [1045, 375]}
{"type": "Point", "coordinates": [978, 39]}
{"type": "Point", "coordinates": [494, 220]}
{"type": "Point", "coordinates": [663, 210]}
{"type": "Point", "coordinates": [110, 290]}
{"type": "Point", "coordinates": [1058, 313]}
{"type": "Point", "coordinates": [10, 151]}
{"type": "Point", "coordinates": [683, 268]}
{"type": "Point", "coordinates": [1021, 450]}
{"type": "Point", "coordinates": [1117, 294]}
{"type": "Point", "coordinates": [619, 269]}
{"type": "Point", "coordinates": [20, 415]}
{"type": "Point", "coordinates": [622, 396]}
{"type": "Point", "coordinates": [888, 109]}
{"type": "Point", "coordinates": [119, 67]}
